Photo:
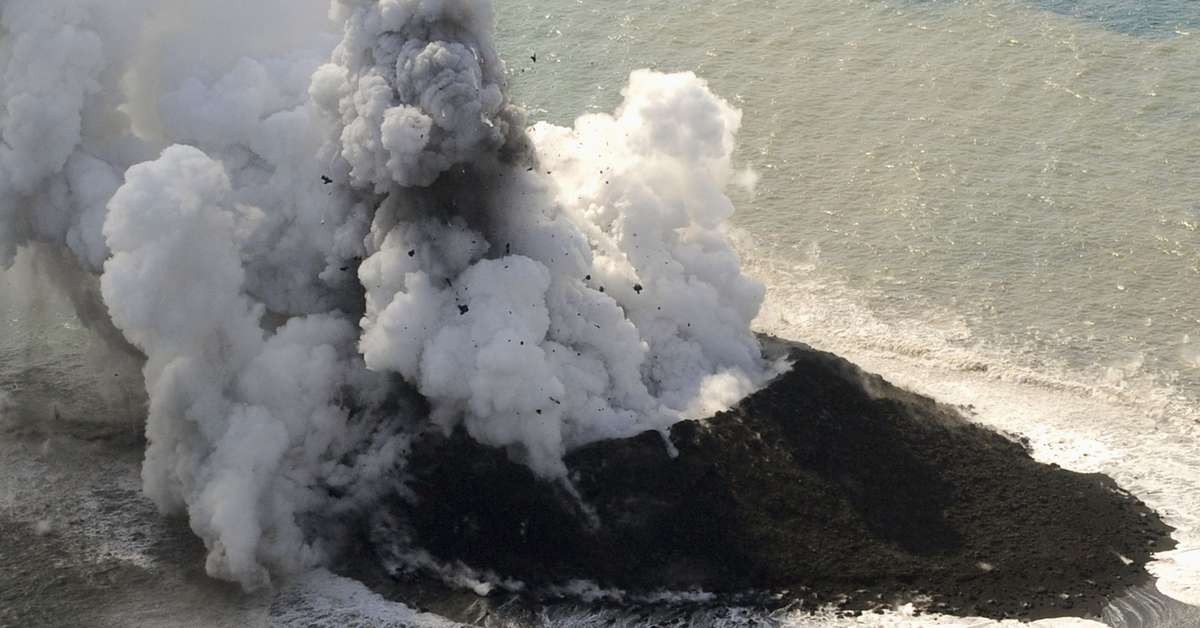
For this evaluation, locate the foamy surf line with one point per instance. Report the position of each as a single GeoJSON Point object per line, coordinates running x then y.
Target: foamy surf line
{"type": "Point", "coordinates": [334, 600]}
{"type": "Point", "coordinates": [1137, 431]}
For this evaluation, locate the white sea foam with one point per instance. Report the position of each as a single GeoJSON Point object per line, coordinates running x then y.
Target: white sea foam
{"type": "Point", "coordinates": [319, 599]}
{"type": "Point", "coordinates": [1125, 424]}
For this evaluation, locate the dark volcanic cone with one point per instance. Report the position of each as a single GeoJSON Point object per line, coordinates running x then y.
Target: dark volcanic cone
{"type": "Point", "coordinates": [830, 483]}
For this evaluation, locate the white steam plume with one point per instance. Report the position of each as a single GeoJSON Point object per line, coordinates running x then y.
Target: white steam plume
{"type": "Point", "coordinates": [63, 143]}
{"type": "Point", "coordinates": [247, 430]}
{"type": "Point", "coordinates": [319, 220]}
{"type": "Point", "coordinates": [414, 88]}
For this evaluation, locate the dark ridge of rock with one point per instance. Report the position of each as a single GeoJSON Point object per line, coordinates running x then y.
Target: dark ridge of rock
{"type": "Point", "coordinates": [830, 484]}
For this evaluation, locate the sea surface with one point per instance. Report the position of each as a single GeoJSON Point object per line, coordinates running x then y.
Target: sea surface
{"type": "Point", "coordinates": [993, 202]}
{"type": "Point", "coordinates": [1020, 175]}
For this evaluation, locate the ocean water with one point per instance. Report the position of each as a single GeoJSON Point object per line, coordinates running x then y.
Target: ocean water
{"type": "Point", "coordinates": [1025, 171]}
{"type": "Point", "coordinates": [996, 203]}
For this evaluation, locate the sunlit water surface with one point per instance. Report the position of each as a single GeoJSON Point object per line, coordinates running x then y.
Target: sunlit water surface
{"type": "Point", "coordinates": [994, 202]}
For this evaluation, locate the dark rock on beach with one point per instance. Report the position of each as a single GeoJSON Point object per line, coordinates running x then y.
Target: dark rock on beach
{"type": "Point", "coordinates": [829, 486]}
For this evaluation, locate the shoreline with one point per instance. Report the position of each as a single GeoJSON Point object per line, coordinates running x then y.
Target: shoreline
{"type": "Point", "coordinates": [85, 459]}
{"type": "Point", "coordinates": [928, 507]}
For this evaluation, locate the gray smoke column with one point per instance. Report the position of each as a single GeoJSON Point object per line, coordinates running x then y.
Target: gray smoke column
{"type": "Point", "coordinates": [414, 88]}
{"type": "Point", "coordinates": [63, 143]}
{"type": "Point", "coordinates": [244, 426]}
{"type": "Point", "coordinates": [298, 230]}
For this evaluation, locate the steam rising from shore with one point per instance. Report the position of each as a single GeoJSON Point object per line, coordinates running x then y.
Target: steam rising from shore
{"type": "Point", "coordinates": [297, 230]}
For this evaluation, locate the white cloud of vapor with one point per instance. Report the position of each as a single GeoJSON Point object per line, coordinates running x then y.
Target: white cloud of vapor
{"type": "Point", "coordinates": [289, 224]}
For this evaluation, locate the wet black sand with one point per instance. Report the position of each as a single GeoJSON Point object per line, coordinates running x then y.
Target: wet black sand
{"type": "Point", "coordinates": [830, 486]}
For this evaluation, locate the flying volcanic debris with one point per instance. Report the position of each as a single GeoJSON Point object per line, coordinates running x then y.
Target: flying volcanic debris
{"type": "Point", "coordinates": [199, 183]}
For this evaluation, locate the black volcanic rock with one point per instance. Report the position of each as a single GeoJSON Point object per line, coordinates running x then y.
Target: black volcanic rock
{"type": "Point", "coordinates": [830, 484]}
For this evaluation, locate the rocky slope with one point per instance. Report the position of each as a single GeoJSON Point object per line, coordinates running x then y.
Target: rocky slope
{"type": "Point", "coordinates": [830, 486]}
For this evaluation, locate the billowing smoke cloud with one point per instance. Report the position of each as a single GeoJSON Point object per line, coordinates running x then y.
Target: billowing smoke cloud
{"type": "Point", "coordinates": [60, 130]}
{"type": "Point", "coordinates": [245, 428]}
{"type": "Point", "coordinates": [298, 231]}
{"type": "Point", "coordinates": [415, 88]}
{"type": "Point", "coordinates": [598, 302]}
